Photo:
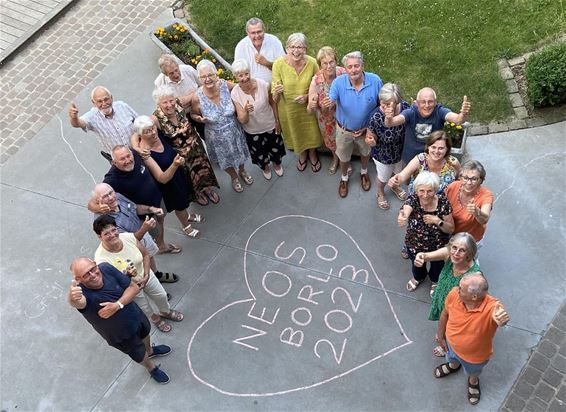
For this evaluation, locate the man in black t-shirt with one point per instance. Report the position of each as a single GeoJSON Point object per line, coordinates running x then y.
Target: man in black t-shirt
{"type": "Point", "coordinates": [103, 295]}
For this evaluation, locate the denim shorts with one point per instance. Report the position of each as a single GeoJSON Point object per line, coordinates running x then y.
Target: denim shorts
{"type": "Point", "coordinates": [469, 368]}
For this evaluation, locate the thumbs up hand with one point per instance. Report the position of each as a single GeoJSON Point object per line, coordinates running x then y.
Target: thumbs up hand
{"type": "Point", "coordinates": [249, 107]}
{"type": "Point", "coordinates": [73, 111]}
{"type": "Point", "coordinates": [75, 292]}
{"type": "Point", "coordinates": [500, 316]}
{"type": "Point", "coordinates": [466, 106]}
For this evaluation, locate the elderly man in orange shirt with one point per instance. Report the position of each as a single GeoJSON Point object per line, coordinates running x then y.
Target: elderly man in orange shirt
{"type": "Point", "coordinates": [466, 329]}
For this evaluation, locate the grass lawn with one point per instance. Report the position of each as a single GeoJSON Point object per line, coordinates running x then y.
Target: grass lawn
{"type": "Point", "coordinates": [450, 45]}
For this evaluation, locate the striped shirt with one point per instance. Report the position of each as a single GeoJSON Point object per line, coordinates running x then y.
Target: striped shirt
{"type": "Point", "coordinates": [113, 130]}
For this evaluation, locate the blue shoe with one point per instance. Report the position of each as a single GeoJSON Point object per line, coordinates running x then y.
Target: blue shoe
{"type": "Point", "coordinates": [160, 350]}
{"type": "Point", "coordinates": [159, 376]}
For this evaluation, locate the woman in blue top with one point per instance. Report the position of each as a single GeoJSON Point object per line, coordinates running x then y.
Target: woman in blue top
{"type": "Point", "coordinates": [387, 142]}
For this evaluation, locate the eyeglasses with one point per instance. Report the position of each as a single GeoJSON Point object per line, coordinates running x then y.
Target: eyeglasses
{"type": "Point", "coordinates": [109, 232]}
{"type": "Point", "coordinates": [91, 271]}
{"type": "Point", "coordinates": [472, 179]}
{"type": "Point", "coordinates": [208, 76]}
{"type": "Point", "coordinates": [455, 249]}
{"type": "Point", "coordinates": [107, 195]}
{"type": "Point", "coordinates": [427, 102]}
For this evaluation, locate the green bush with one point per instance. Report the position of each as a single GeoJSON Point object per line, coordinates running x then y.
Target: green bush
{"type": "Point", "coordinates": [546, 76]}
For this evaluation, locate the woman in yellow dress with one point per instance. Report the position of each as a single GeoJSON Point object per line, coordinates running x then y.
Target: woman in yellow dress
{"type": "Point", "coordinates": [292, 75]}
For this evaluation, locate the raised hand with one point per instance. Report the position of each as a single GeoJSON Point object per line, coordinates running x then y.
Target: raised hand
{"type": "Point", "coordinates": [75, 292]}
{"type": "Point", "coordinates": [466, 106]}
{"type": "Point", "coordinates": [393, 182]}
{"type": "Point", "coordinates": [500, 316]}
{"type": "Point", "coordinates": [419, 259]}
{"type": "Point", "coordinates": [179, 160]}
{"type": "Point", "coordinates": [249, 107]}
{"type": "Point", "coordinates": [149, 223]}
{"type": "Point", "coordinates": [73, 111]}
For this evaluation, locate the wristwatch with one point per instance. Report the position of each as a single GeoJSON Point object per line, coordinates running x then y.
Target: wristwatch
{"type": "Point", "coordinates": [120, 304]}
{"type": "Point", "coordinates": [440, 223]}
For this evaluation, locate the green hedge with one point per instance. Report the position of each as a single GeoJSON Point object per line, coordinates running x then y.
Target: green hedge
{"type": "Point", "coordinates": [546, 76]}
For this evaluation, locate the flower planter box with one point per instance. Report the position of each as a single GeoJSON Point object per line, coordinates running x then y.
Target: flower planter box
{"type": "Point", "coordinates": [458, 138]}
{"type": "Point", "coordinates": [180, 27]}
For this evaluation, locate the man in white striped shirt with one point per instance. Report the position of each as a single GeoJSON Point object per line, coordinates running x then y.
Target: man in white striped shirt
{"type": "Point", "coordinates": [111, 121]}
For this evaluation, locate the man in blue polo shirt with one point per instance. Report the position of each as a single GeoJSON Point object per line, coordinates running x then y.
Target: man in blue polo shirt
{"type": "Point", "coordinates": [423, 118]}
{"type": "Point", "coordinates": [355, 95]}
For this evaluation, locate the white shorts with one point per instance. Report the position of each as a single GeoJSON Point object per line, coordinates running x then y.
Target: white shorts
{"type": "Point", "coordinates": [384, 172]}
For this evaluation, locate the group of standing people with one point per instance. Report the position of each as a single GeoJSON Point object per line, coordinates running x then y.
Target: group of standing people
{"type": "Point", "coordinates": [283, 99]}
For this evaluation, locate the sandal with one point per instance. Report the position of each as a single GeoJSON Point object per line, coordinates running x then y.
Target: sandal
{"type": "Point", "coordinates": [191, 232]}
{"type": "Point", "coordinates": [213, 196]}
{"type": "Point", "coordinates": [432, 289]}
{"type": "Point", "coordinates": [382, 202]}
{"type": "Point", "coordinates": [247, 178]}
{"type": "Point", "coordinates": [474, 392]}
{"type": "Point", "coordinates": [237, 186]}
{"type": "Point", "coordinates": [301, 165]}
{"type": "Point", "coordinates": [173, 315]}
{"type": "Point", "coordinates": [202, 199]}
{"type": "Point", "coordinates": [166, 277]}
{"type": "Point", "coordinates": [171, 248]}
{"type": "Point", "coordinates": [404, 253]}
{"type": "Point", "coordinates": [401, 194]}
{"type": "Point", "coordinates": [443, 370]}
{"type": "Point", "coordinates": [195, 218]}
{"type": "Point", "coordinates": [315, 167]}
{"type": "Point", "coordinates": [412, 285]}
{"type": "Point", "coordinates": [439, 352]}
{"type": "Point", "coordinates": [163, 326]}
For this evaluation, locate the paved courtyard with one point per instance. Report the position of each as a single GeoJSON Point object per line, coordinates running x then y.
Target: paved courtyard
{"type": "Point", "coordinates": [250, 340]}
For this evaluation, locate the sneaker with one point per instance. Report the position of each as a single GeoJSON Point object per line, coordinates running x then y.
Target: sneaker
{"type": "Point", "coordinates": [160, 350]}
{"type": "Point", "coordinates": [159, 376]}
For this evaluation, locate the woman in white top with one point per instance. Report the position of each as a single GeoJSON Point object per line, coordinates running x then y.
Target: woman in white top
{"type": "Point", "coordinates": [257, 113]}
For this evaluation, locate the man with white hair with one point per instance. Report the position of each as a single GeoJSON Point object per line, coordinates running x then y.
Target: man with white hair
{"type": "Point", "coordinates": [112, 121]}
{"type": "Point", "coordinates": [181, 77]}
{"type": "Point", "coordinates": [422, 118]}
{"type": "Point", "coordinates": [355, 95]}
{"type": "Point", "coordinates": [259, 49]}
{"type": "Point", "coordinates": [466, 329]}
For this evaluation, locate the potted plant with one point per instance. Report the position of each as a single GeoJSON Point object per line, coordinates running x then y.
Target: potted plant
{"type": "Point", "coordinates": [457, 135]}
{"type": "Point", "coordinates": [178, 38]}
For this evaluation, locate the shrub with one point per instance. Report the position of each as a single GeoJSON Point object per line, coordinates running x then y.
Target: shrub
{"type": "Point", "coordinates": [546, 76]}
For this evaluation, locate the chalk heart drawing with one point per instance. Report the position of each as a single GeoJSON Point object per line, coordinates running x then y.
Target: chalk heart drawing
{"type": "Point", "coordinates": [317, 312]}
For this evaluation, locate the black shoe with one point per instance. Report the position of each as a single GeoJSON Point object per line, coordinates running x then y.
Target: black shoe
{"type": "Point", "coordinates": [106, 156]}
{"type": "Point", "coordinates": [169, 297]}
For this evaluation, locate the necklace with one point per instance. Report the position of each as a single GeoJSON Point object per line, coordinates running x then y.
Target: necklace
{"type": "Point", "coordinates": [462, 197]}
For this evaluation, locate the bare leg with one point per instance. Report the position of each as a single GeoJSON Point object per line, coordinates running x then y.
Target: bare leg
{"type": "Point", "coordinates": [313, 156]}
{"type": "Point", "coordinates": [152, 264]}
{"type": "Point", "coordinates": [160, 238]}
{"type": "Point", "coordinates": [364, 161]}
{"type": "Point", "coordinates": [183, 217]}
{"type": "Point", "coordinates": [232, 172]}
{"type": "Point", "coordinates": [146, 362]}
